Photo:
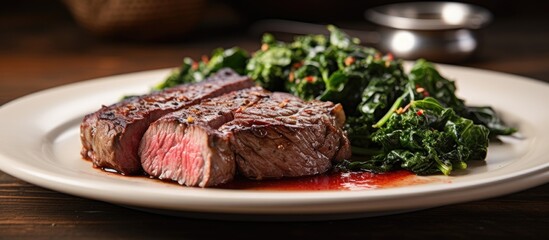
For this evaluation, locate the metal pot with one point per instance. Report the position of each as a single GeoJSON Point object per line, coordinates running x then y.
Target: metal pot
{"type": "Point", "coordinates": [438, 31]}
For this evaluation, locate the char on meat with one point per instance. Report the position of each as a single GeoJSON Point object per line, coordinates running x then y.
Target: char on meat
{"type": "Point", "coordinates": [252, 132]}
{"type": "Point", "coordinates": [111, 136]}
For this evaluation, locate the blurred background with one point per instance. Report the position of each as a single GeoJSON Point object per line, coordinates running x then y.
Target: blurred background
{"type": "Point", "coordinates": [55, 42]}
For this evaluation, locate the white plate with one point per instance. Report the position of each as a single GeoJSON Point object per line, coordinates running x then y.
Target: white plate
{"type": "Point", "coordinates": [39, 143]}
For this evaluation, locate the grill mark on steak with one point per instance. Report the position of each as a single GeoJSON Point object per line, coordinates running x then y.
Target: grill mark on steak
{"type": "Point", "coordinates": [264, 135]}
{"type": "Point", "coordinates": [110, 137]}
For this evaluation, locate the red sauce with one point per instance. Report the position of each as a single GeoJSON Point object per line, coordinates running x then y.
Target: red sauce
{"type": "Point", "coordinates": [342, 181]}
{"type": "Point", "coordinates": [331, 181]}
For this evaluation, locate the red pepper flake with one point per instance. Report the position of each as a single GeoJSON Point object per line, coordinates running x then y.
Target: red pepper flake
{"type": "Point", "coordinates": [205, 59]}
{"type": "Point", "coordinates": [297, 64]}
{"type": "Point", "coordinates": [190, 119]}
{"type": "Point", "coordinates": [377, 56]}
{"type": "Point", "coordinates": [131, 107]}
{"type": "Point", "coordinates": [182, 98]}
{"type": "Point", "coordinates": [401, 110]}
{"type": "Point", "coordinates": [291, 77]}
{"type": "Point", "coordinates": [194, 110]}
{"type": "Point", "coordinates": [349, 61]}
{"type": "Point", "coordinates": [421, 90]}
{"type": "Point", "coordinates": [406, 107]}
{"type": "Point", "coordinates": [258, 93]}
{"type": "Point", "coordinates": [310, 79]}
{"type": "Point", "coordinates": [419, 112]}
{"type": "Point", "coordinates": [240, 109]}
{"type": "Point", "coordinates": [390, 57]}
{"type": "Point", "coordinates": [264, 47]}
{"type": "Point", "coordinates": [284, 103]}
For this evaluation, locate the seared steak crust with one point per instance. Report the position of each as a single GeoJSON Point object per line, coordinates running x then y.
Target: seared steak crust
{"type": "Point", "coordinates": [111, 136]}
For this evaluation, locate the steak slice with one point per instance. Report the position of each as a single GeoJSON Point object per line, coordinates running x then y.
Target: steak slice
{"type": "Point", "coordinates": [111, 136]}
{"type": "Point", "coordinates": [283, 136]}
{"type": "Point", "coordinates": [186, 146]}
{"type": "Point", "coordinates": [259, 133]}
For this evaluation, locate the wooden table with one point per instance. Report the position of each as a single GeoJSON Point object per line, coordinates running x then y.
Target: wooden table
{"type": "Point", "coordinates": [45, 51]}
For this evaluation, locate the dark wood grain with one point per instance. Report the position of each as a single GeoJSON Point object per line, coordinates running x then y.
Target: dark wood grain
{"type": "Point", "coordinates": [47, 50]}
{"type": "Point", "coordinates": [35, 212]}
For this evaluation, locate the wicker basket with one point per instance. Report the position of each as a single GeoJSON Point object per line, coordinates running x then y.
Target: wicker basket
{"type": "Point", "coordinates": [137, 19]}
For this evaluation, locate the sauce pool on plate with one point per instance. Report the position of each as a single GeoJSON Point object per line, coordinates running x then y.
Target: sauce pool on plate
{"type": "Point", "coordinates": [331, 181]}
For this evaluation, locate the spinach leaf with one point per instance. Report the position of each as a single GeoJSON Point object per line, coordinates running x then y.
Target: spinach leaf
{"type": "Point", "coordinates": [270, 66]}
{"type": "Point", "coordinates": [428, 138]}
{"type": "Point", "coordinates": [429, 82]}
{"type": "Point", "coordinates": [489, 118]}
{"type": "Point", "coordinates": [196, 71]}
{"type": "Point", "coordinates": [338, 38]}
{"type": "Point", "coordinates": [184, 74]}
{"type": "Point", "coordinates": [234, 58]}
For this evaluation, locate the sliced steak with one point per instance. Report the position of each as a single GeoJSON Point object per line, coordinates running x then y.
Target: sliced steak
{"type": "Point", "coordinates": [111, 136]}
{"type": "Point", "coordinates": [261, 134]}
{"type": "Point", "coordinates": [187, 147]}
{"type": "Point", "coordinates": [283, 136]}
